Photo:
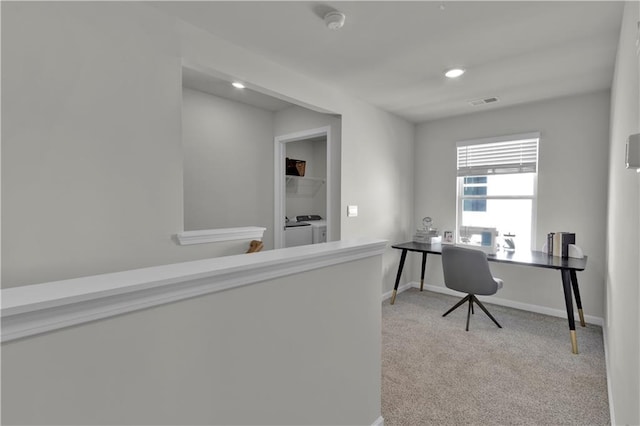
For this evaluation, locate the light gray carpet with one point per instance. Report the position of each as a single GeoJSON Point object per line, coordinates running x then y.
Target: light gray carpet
{"type": "Point", "coordinates": [436, 373]}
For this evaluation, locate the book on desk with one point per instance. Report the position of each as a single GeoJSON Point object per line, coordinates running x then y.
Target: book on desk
{"type": "Point", "coordinates": [562, 244]}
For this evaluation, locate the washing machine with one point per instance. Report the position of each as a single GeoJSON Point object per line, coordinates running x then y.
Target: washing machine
{"type": "Point", "coordinates": [318, 227]}
{"type": "Point", "coordinates": [319, 232]}
{"type": "Point", "coordinates": [298, 234]}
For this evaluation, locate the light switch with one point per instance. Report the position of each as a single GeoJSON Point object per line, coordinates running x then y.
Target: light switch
{"type": "Point", "coordinates": [352, 211]}
{"type": "Point", "coordinates": [638, 40]}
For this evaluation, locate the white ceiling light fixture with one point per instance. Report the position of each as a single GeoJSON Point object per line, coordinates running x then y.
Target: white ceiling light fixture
{"type": "Point", "coordinates": [334, 20]}
{"type": "Point", "coordinates": [454, 72]}
{"type": "Point", "coordinates": [238, 85]}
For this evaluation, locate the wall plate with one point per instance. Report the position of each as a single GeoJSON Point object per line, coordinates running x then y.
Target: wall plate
{"type": "Point", "coordinates": [632, 155]}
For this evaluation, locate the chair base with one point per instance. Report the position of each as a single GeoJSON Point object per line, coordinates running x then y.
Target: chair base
{"type": "Point", "coordinates": [471, 298]}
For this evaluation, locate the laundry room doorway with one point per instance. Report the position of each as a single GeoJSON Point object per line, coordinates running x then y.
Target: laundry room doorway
{"type": "Point", "coordinates": [302, 187]}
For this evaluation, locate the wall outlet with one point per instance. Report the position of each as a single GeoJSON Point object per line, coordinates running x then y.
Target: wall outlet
{"type": "Point", "coordinates": [352, 211]}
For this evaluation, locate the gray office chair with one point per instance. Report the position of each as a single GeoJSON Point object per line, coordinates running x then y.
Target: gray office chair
{"type": "Point", "coordinates": [467, 270]}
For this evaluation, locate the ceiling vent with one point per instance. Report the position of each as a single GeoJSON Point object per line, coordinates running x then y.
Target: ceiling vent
{"type": "Point", "coordinates": [484, 101]}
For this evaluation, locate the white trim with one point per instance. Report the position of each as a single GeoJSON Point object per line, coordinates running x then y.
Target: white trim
{"type": "Point", "coordinates": [401, 288]}
{"type": "Point", "coordinates": [219, 235]}
{"type": "Point", "coordinates": [606, 366]}
{"type": "Point", "coordinates": [40, 308]}
{"type": "Point", "coordinates": [512, 304]}
{"type": "Point", "coordinates": [279, 179]}
{"type": "Point", "coordinates": [379, 422]}
{"type": "Point", "coordinates": [505, 138]}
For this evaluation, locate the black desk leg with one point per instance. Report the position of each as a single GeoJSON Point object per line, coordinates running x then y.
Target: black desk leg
{"type": "Point", "coordinates": [424, 267]}
{"type": "Point", "coordinates": [576, 293]}
{"type": "Point", "coordinates": [395, 289]}
{"type": "Point", "coordinates": [566, 286]}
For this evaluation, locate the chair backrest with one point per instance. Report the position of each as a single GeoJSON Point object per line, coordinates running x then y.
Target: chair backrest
{"type": "Point", "coordinates": [467, 270]}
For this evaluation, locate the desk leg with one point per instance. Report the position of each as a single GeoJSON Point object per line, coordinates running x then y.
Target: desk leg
{"type": "Point", "coordinates": [403, 257]}
{"type": "Point", "coordinates": [566, 286]}
{"type": "Point", "coordinates": [576, 293]}
{"type": "Point", "coordinates": [424, 267]}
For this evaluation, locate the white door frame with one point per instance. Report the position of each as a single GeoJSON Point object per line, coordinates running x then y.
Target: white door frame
{"type": "Point", "coordinates": [279, 189]}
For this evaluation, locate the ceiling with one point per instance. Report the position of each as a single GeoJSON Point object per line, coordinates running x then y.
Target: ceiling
{"type": "Point", "coordinates": [392, 54]}
{"type": "Point", "coordinates": [217, 86]}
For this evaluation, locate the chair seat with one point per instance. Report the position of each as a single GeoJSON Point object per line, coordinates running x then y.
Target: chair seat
{"type": "Point", "coordinates": [467, 270]}
{"type": "Point", "coordinates": [499, 282]}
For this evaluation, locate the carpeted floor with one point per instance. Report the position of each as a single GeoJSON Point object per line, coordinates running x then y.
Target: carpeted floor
{"type": "Point", "coordinates": [436, 373]}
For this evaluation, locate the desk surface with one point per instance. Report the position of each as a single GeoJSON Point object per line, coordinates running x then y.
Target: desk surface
{"type": "Point", "coordinates": [521, 257]}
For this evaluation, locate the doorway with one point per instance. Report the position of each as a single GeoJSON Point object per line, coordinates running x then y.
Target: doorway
{"type": "Point", "coordinates": [306, 195]}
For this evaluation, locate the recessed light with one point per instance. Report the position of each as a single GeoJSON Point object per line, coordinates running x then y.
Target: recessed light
{"type": "Point", "coordinates": [454, 72]}
{"type": "Point", "coordinates": [238, 85]}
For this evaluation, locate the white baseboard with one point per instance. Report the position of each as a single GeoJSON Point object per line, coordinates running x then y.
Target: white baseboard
{"type": "Point", "coordinates": [606, 367]}
{"type": "Point", "coordinates": [380, 421]}
{"type": "Point", "coordinates": [401, 288]}
{"type": "Point", "coordinates": [511, 304]}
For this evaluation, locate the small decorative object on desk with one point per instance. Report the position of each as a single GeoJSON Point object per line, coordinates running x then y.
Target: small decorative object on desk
{"type": "Point", "coordinates": [448, 237]}
{"type": "Point", "coordinates": [427, 234]}
{"type": "Point", "coordinates": [479, 237]}
{"type": "Point", "coordinates": [509, 243]}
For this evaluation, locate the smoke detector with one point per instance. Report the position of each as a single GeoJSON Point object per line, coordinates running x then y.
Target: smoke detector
{"type": "Point", "coordinates": [334, 20]}
{"type": "Point", "coordinates": [476, 102]}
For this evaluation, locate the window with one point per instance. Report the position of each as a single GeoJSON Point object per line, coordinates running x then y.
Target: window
{"type": "Point", "coordinates": [475, 185]}
{"type": "Point", "coordinates": [497, 185]}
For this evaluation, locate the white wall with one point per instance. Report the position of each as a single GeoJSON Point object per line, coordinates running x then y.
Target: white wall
{"type": "Point", "coordinates": [91, 139]}
{"type": "Point", "coordinates": [623, 232]}
{"type": "Point", "coordinates": [228, 166]}
{"type": "Point", "coordinates": [572, 188]}
{"type": "Point", "coordinates": [377, 176]}
{"type": "Point", "coordinates": [300, 350]}
{"type": "Point", "coordinates": [92, 160]}
{"type": "Point", "coordinates": [92, 183]}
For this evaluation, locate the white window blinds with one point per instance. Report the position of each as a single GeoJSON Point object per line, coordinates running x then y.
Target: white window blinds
{"type": "Point", "coordinates": [508, 154]}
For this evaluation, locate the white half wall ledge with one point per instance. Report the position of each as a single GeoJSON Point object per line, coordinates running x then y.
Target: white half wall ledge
{"type": "Point", "coordinates": [40, 308]}
{"type": "Point", "coordinates": [219, 235]}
